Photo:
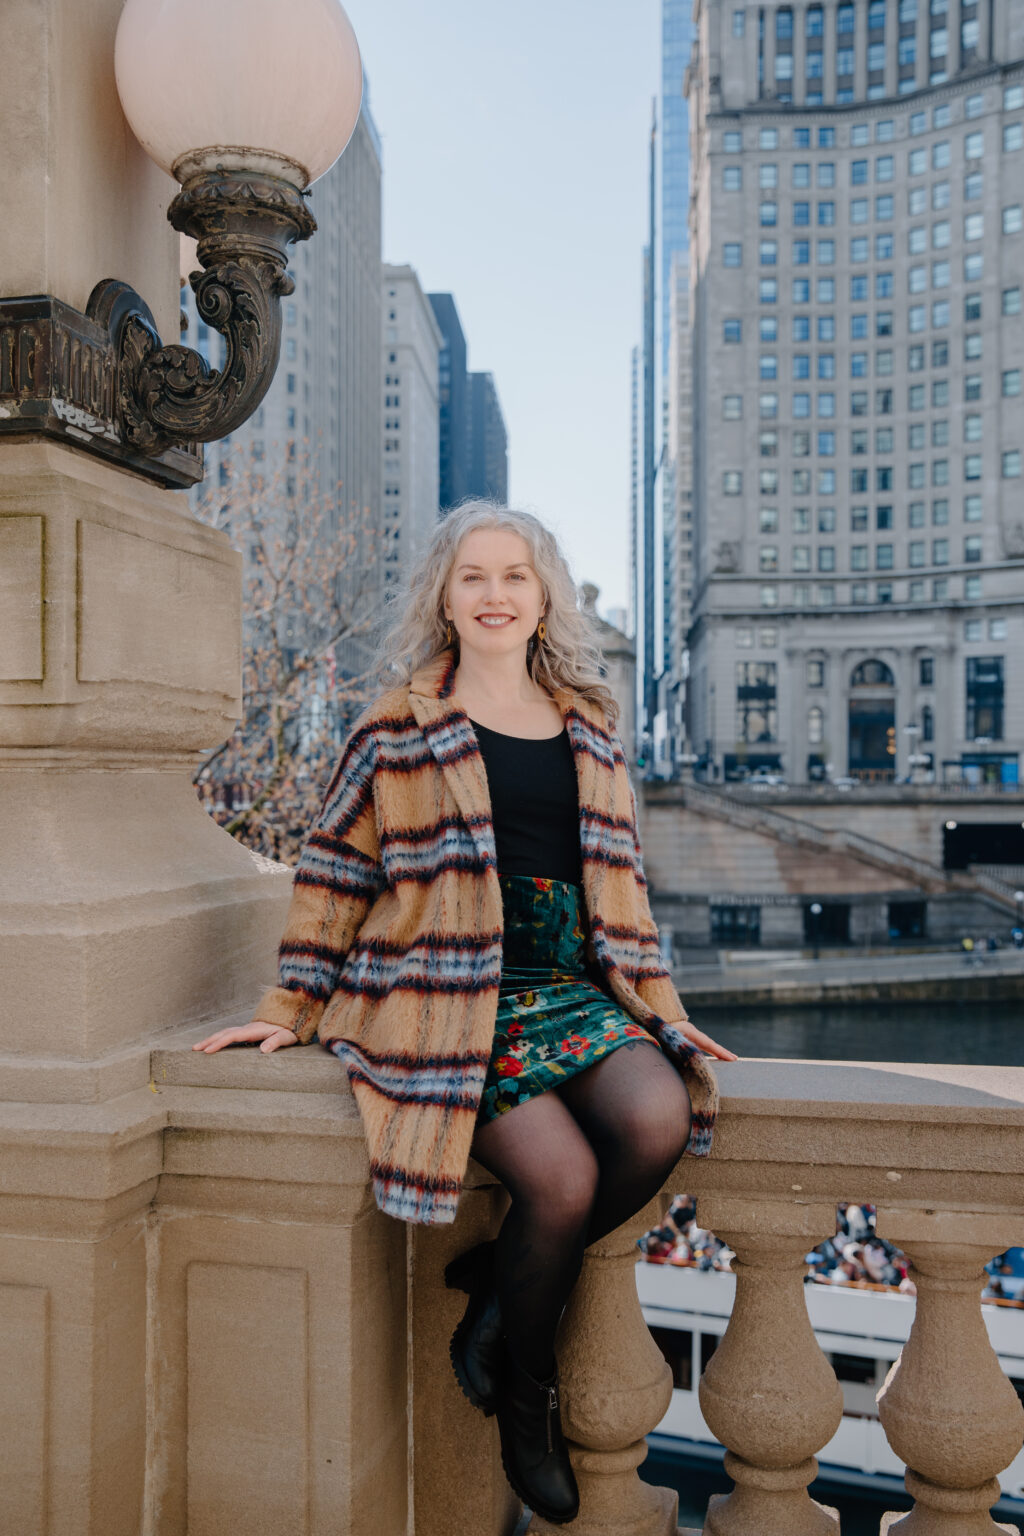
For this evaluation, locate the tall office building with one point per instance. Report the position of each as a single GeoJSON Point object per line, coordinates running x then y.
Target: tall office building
{"type": "Point", "coordinates": [453, 393]}
{"type": "Point", "coordinates": [670, 730]}
{"type": "Point", "coordinates": [676, 28]}
{"type": "Point", "coordinates": [320, 421]}
{"type": "Point", "coordinates": [857, 262]}
{"type": "Point", "coordinates": [487, 441]}
{"type": "Point", "coordinates": [678, 513]}
{"type": "Point", "coordinates": [412, 346]}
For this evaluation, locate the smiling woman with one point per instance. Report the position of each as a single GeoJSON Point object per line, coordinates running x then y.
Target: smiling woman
{"type": "Point", "coordinates": [470, 935]}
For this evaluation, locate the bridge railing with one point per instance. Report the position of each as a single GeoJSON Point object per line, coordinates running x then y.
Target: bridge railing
{"type": "Point", "coordinates": [272, 1353]}
{"type": "Point", "coordinates": [938, 1150]}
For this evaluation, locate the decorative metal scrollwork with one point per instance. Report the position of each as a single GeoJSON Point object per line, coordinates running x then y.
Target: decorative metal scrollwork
{"type": "Point", "coordinates": [166, 395]}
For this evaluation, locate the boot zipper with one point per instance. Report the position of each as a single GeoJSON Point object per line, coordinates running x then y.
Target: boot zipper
{"type": "Point", "coordinates": [552, 1408]}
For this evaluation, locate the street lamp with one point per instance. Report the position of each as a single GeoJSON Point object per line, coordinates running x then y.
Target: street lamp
{"type": "Point", "coordinates": [1018, 897]}
{"type": "Point", "coordinates": [245, 103]}
{"type": "Point", "coordinates": [815, 911]}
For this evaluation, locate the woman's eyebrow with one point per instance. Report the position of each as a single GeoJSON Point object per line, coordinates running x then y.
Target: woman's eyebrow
{"type": "Point", "coordinates": [515, 566]}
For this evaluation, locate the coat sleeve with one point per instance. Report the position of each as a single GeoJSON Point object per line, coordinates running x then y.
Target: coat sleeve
{"type": "Point", "coordinates": [337, 879]}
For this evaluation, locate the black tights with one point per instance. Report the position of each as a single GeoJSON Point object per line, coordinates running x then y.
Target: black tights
{"type": "Point", "coordinates": [577, 1161]}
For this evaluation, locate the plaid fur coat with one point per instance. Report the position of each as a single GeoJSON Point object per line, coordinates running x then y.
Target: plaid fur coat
{"type": "Point", "coordinates": [392, 948]}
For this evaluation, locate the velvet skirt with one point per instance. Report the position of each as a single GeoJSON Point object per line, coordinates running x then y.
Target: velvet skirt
{"type": "Point", "coordinates": [553, 1020]}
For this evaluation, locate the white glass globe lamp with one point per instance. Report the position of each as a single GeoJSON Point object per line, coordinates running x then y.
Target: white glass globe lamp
{"type": "Point", "coordinates": [266, 86]}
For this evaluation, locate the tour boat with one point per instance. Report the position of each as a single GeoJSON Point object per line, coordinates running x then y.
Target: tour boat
{"type": "Point", "coordinates": [860, 1327]}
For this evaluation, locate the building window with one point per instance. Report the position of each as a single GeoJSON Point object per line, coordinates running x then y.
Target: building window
{"type": "Point", "coordinates": [732, 178]}
{"type": "Point", "coordinates": [883, 557]}
{"type": "Point", "coordinates": [1013, 219]}
{"type": "Point", "coordinates": [984, 697]}
{"type": "Point", "coordinates": [732, 331]}
{"type": "Point", "coordinates": [1011, 464]}
{"type": "Point", "coordinates": [940, 551]}
{"type": "Point", "coordinates": [732, 254]}
{"type": "Point", "coordinates": [732, 142]}
{"type": "Point", "coordinates": [972, 549]}
{"type": "Point", "coordinates": [732, 482]}
{"type": "Point", "coordinates": [815, 725]}
{"type": "Point", "coordinates": [916, 552]}
{"type": "Point", "coordinates": [1011, 301]}
{"type": "Point", "coordinates": [732, 407]}
{"type": "Point", "coordinates": [756, 707]}
{"type": "Point", "coordinates": [1011, 382]}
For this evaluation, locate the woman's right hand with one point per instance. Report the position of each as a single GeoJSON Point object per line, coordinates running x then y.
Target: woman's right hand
{"type": "Point", "coordinates": [271, 1035]}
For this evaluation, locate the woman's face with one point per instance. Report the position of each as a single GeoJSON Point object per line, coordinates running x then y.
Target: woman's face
{"type": "Point", "coordinates": [494, 598]}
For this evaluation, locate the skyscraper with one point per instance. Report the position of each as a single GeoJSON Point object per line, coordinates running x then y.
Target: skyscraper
{"type": "Point", "coordinates": [675, 154]}
{"type": "Point", "coordinates": [487, 441]}
{"type": "Point", "coordinates": [453, 392]}
{"type": "Point", "coordinates": [319, 426]}
{"type": "Point", "coordinates": [412, 344]}
{"type": "Point", "coordinates": [857, 261]}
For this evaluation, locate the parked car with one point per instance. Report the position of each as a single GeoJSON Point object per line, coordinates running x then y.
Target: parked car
{"type": "Point", "coordinates": [764, 778]}
{"type": "Point", "coordinates": [844, 783]}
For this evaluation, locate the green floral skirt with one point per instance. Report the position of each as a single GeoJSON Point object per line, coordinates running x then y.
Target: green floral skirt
{"type": "Point", "coordinates": [552, 1020]}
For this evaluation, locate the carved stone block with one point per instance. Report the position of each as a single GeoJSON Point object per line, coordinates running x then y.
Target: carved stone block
{"type": "Point", "coordinates": [21, 598]}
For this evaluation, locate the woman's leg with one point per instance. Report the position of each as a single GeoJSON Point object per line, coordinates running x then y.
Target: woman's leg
{"type": "Point", "coordinates": [542, 1157]}
{"type": "Point", "coordinates": [634, 1110]}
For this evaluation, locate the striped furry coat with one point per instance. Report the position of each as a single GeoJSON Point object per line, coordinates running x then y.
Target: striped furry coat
{"type": "Point", "coordinates": [392, 949]}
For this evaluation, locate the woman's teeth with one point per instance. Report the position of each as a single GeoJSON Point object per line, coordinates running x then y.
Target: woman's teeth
{"type": "Point", "coordinates": [495, 621]}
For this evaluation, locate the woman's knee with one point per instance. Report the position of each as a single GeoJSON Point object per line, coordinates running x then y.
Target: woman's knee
{"type": "Point", "coordinates": [653, 1128]}
{"type": "Point", "coordinates": [561, 1199]}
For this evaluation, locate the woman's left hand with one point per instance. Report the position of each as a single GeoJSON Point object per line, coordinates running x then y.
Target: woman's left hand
{"type": "Point", "coordinates": [705, 1042]}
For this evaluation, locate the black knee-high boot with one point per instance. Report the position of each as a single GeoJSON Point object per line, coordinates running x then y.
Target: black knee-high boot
{"type": "Point", "coordinates": [533, 1449]}
{"type": "Point", "coordinates": [476, 1345]}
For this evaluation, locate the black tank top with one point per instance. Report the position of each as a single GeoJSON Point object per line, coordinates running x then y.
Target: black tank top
{"type": "Point", "coordinates": [534, 804]}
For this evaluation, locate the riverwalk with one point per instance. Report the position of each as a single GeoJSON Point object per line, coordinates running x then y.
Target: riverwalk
{"type": "Point", "coordinates": [754, 979]}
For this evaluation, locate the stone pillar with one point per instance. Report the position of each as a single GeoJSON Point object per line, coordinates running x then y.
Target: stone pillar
{"type": "Point", "coordinates": [124, 911]}
{"type": "Point", "coordinates": [798, 84]}
{"type": "Point", "coordinates": [768, 1393]}
{"type": "Point", "coordinates": [458, 1485]}
{"type": "Point", "coordinates": [616, 1387]}
{"type": "Point", "coordinates": [278, 1323]}
{"type": "Point", "coordinates": [947, 1408]}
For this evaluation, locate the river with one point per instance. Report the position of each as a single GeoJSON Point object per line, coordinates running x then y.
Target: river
{"type": "Point", "coordinates": [987, 1034]}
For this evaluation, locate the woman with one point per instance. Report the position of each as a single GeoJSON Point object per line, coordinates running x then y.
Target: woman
{"type": "Point", "coordinates": [469, 933]}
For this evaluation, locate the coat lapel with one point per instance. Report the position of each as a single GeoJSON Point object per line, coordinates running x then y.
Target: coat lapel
{"type": "Point", "coordinates": [453, 744]}
{"type": "Point", "coordinates": [594, 755]}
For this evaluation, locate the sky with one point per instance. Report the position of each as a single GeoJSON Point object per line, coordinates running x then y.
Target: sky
{"type": "Point", "coordinates": [515, 177]}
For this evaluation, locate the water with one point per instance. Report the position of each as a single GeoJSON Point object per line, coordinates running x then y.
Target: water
{"type": "Point", "coordinates": [985, 1034]}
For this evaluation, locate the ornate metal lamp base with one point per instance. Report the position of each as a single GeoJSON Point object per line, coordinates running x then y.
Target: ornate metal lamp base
{"type": "Point", "coordinates": [105, 381]}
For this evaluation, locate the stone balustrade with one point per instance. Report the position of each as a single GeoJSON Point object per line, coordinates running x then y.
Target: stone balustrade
{"type": "Point", "coordinates": [208, 1326]}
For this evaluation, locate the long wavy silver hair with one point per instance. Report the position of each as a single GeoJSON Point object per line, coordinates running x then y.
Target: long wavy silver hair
{"type": "Point", "coordinates": [569, 655]}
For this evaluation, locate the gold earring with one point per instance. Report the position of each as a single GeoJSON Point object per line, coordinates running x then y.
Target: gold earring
{"type": "Point", "coordinates": [449, 631]}
{"type": "Point", "coordinates": [541, 630]}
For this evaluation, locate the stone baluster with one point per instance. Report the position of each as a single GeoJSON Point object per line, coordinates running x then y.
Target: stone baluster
{"type": "Point", "coordinates": [616, 1387]}
{"type": "Point", "coordinates": [458, 1485]}
{"type": "Point", "coordinates": [947, 1408]}
{"type": "Point", "coordinates": [768, 1393]}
